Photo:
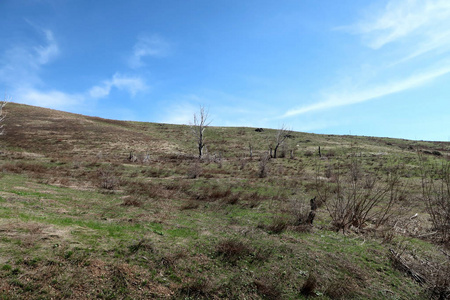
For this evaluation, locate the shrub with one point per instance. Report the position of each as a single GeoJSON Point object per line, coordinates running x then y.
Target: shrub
{"type": "Point", "coordinates": [267, 288]}
{"type": "Point", "coordinates": [194, 171]}
{"type": "Point", "coordinates": [343, 289]}
{"type": "Point", "coordinates": [355, 201]}
{"type": "Point", "coordinates": [263, 166]}
{"type": "Point", "coordinates": [197, 289]}
{"type": "Point", "coordinates": [132, 201]}
{"type": "Point", "coordinates": [436, 192]}
{"type": "Point", "coordinates": [232, 250]}
{"type": "Point", "coordinates": [191, 204]}
{"type": "Point", "coordinates": [309, 286]}
{"type": "Point", "coordinates": [278, 225]}
{"type": "Point", "coordinates": [142, 244]}
{"type": "Point", "coordinates": [109, 178]}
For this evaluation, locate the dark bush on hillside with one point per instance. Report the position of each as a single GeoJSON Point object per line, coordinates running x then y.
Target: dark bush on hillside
{"type": "Point", "coordinates": [191, 204]}
{"type": "Point", "coordinates": [109, 177]}
{"type": "Point", "coordinates": [141, 188]}
{"type": "Point", "coordinates": [308, 288]}
{"type": "Point", "coordinates": [195, 170]}
{"type": "Point", "coordinates": [254, 199]}
{"type": "Point", "coordinates": [437, 153]}
{"type": "Point", "coordinates": [21, 167]}
{"type": "Point", "coordinates": [277, 225]}
{"type": "Point", "coordinates": [263, 166]}
{"type": "Point", "coordinates": [343, 289]}
{"type": "Point", "coordinates": [232, 250]}
{"type": "Point", "coordinates": [309, 153]}
{"type": "Point", "coordinates": [198, 289]}
{"type": "Point", "coordinates": [142, 244]}
{"type": "Point", "coordinates": [132, 201]}
{"type": "Point", "coordinates": [436, 192]}
{"type": "Point", "coordinates": [267, 288]}
{"type": "Point", "coordinates": [352, 201]}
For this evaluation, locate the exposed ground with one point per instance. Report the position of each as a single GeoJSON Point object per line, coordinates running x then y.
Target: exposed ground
{"type": "Point", "coordinates": [80, 220]}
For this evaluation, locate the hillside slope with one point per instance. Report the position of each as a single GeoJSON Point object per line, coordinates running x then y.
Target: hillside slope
{"type": "Point", "coordinates": [79, 219]}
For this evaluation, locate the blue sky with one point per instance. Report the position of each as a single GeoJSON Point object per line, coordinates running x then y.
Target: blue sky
{"type": "Point", "coordinates": [376, 68]}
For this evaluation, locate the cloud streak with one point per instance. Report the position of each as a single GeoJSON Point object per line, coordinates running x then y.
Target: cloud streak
{"type": "Point", "coordinates": [147, 46]}
{"type": "Point", "coordinates": [54, 99]}
{"type": "Point", "coordinates": [133, 85]}
{"type": "Point", "coordinates": [405, 19]}
{"type": "Point", "coordinates": [404, 31]}
{"type": "Point", "coordinates": [49, 51]}
{"type": "Point", "coordinates": [358, 96]}
{"type": "Point", "coordinates": [21, 64]}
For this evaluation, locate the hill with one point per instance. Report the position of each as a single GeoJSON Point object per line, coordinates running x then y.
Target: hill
{"type": "Point", "coordinates": [97, 208]}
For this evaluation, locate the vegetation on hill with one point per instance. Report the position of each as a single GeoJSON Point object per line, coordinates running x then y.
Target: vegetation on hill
{"type": "Point", "coordinates": [96, 208]}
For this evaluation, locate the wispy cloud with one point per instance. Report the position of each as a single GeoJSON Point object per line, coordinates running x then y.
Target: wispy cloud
{"type": "Point", "coordinates": [49, 51]}
{"type": "Point", "coordinates": [20, 64]}
{"type": "Point", "coordinates": [153, 46]}
{"type": "Point", "coordinates": [181, 113]}
{"type": "Point", "coordinates": [403, 30]}
{"type": "Point", "coordinates": [356, 95]}
{"type": "Point", "coordinates": [133, 85]}
{"type": "Point", "coordinates": [54, 99]}
{"type": "Point", "coordinates": [423, 22]}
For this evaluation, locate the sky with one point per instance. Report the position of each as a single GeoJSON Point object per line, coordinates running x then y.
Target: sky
{"type": "Point", "coordinates": [372, 68]}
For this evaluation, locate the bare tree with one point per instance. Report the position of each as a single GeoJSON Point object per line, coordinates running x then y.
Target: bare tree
{"type": "Point", "coordinates": [201, 121]}
{"type": "Point", "coordinates": [281, 135]}
{"type": "Point", "coordinates": [5, 100]}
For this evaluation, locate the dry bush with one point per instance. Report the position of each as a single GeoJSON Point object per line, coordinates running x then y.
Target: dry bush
{"type": "Point", "coordinates": [233, 198]}
{"type": "Point", "coordinates": [191, 204]}
{"type": "Point", "coordinates": [217, 193]}
{"type": "Point", "coordinates": [353, 201]}
{"type": "Point", "coordinates": [132, 201]}
{"type": "Point", "coordinates": [309, 153]}
{"type": "Point", "coordinates": [195, 170]}
{"type": "Point", "coordinates": [232, 250]}
{"type": "Point", "coordinates": [197, 289]}
{"type": "Point", "coordinates": [141, 188]}
{"type": "Point", "coordinates": [439, 285]}
{"type": "Point", "coordinates": [268, 288]}
{"type": "Point", "coordinates": [169, 260]}
{"type": "Point", "coordinates": [431, 273]}
{"type": "Point", "coordinates": [342, 289]}
{"type": "Point", "coordinates": [300, 211]}
{"type": "Point", "coordinates": [277, 225]}
{"type": "Point", "coordinates": [436, 192]}
{"type": "Point", "coordinates": [109, 177]}
{"type": "Point", "coordinates": [263, 166]}
{"type": "Point", "coordinates": [143, 244]}
{"type": "Point", "coordinates": [309, 287]}
{"type": "Point", "coordinates": [254, 199]}
{"type": "Point", "coordinates": [21, 167]}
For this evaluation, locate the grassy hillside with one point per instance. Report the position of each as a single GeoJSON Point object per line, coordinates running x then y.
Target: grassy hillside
{"type": "Point", "coordinates": [79, 219]}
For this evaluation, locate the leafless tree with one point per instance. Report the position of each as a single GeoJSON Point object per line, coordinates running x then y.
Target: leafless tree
{"type": "Point", "coordinates": [5, 100]}
{"type": "Point", "coordinates": [201, 121]}
{"type": "Point", "coordinates": [281, 135]}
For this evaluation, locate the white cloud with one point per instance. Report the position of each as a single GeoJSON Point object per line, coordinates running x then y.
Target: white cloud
{"type": "Point", "coordinates": [132, 85]}
{"type": "Point", "coordinates": [153, 46]}
{"type": "Point", "coordinates": [422, 22]}
{"type": "Point", "coordinates": [20, 65]}
{"type": "Point", "coordinates": [49, 51]}
{"type": "Point", "coordinates": [411, 29]}
{"type": "Point", "coordinates": [354, 96]}
{"type": "Point", "coordinates": [54, 99]}
{"type": "Point", "coordinates": [181, 113]}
